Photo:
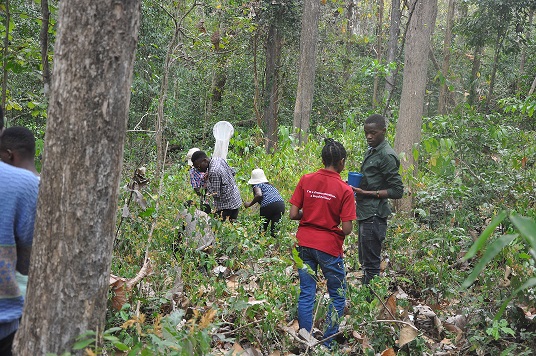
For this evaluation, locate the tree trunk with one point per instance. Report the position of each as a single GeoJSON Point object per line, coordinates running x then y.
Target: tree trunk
{"type": "Point", "coordinates": [408, 128]}
{"type": "Point", "coordinates": [306, 75]}
{"type": "Point", "coordinates": [498, 47]}
{"type": "Point", "coordinates": [220, 76]}
{"type": "Point", "coordinates": [43, 38]}
{"type": "Point", "coordinates": [473, 81]}
{"type": "Point", "coordinates": [392, 47]}
{"type": "Point", "coordinates": [5, 55]}
{"type": "Point", "coordinates": [379, 43]}
{"type": "Point", "coordinates": [271, 96]}
{"type": "Point", "coordinates": [77, 204]}
{"type": "Point", "coordinates": [447, 43]}
{"type": "Point", "coordinates": [523, 58]}
{"type": "Point", "coordinates": [159, 129]}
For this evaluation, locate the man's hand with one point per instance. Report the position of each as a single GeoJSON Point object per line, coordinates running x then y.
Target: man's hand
{"type": "Point", "coordinates": [358, 190]}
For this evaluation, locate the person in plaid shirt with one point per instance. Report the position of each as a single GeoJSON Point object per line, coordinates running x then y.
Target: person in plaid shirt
{"type": "Point", "coordinates": [197, 180]}
{"type": "Point", "coordinates": [220, 184]}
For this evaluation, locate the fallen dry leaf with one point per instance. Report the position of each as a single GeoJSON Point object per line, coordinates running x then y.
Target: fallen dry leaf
{"type": "Point", "coordinates": [407, 335]}
{"type": "Point", "coordinates": [388, 312]}
{"type": "Point", "coordinates": [388, 352]}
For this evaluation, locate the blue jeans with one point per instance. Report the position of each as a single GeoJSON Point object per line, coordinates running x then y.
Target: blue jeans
{"type": "Point", "coordinates": [333, 269]}
{"type": "Point", "coordinates": [372, 232]}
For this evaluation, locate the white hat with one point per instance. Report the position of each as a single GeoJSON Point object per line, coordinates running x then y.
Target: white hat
{"type": "Point", "coordinates": [189, 155]}
{"type": "Point", "coordinates": [257, 176]}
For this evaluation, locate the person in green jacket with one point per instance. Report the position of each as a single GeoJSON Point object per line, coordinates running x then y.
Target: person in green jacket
{"type": "Point", "coordinates": [381, 181]}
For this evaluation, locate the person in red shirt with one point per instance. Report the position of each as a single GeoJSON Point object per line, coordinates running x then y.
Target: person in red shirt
{"type": "Point", "coordinates": [325, 206]}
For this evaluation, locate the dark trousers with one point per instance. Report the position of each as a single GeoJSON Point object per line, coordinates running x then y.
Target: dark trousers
{"type": "Point", "coordinates": [225, 214]}
{"type": "Point", "coordinates": [6, 344]}
{"type": "Point", "coordinates": [372, 232]}
{"type": "Point", "coordinates": [272, 213]}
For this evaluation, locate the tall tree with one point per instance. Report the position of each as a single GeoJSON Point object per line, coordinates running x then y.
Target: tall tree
{"type": "Point", "coordinates": [271, 96]}
{"type": "Point", "coordinates": [379, 52]}
{"type": "Point", "coordinates": [392, 46]}
{"type": "Point", "coordinates": [408, 128]}
{"type": "Point", "coordinates": [447, 42]}
{"type": "Point", "coordinates": [43, 38]}
{"type": "Point", "coordinates": [77, 205]}
{"type": "Point", "coordinates": [307, 68]}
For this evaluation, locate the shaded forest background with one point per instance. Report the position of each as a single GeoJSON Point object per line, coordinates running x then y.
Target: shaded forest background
{"type": "Point", "coordinates": [198, 63]}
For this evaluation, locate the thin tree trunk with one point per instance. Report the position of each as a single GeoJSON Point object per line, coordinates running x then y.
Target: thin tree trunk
{"type": "Point", "coordinates": [379, 43]}
{"type": "Point", "coordinates": [257, 96]}
{"type": "Point", "coordinates": [271, 96]}
{"type": "Point", "coordinates": [523, 58]}
{"type": "Point", "coordinates": [307, 68]}
{"type": "Point", "coordinates": [82, 159]}
{"type": "Point", "coordinates": [5, 54]}
{"type": "Point", "coordinates": [392, 47]}
{"type": "Point", "coordinates": [447, 43]}
{"type": "Point", "coordinates": [43, 38]}
{"type": "Point", "coordinates": [162, 97]}
{"type": "Point", "coordinates": [532, 87]}
{"type": "Point", "coordinates": [474, 76]}
{"type": "Point", "coordinates": [408, 128]}
{"type": "Point", "coordinates": [498, 47]}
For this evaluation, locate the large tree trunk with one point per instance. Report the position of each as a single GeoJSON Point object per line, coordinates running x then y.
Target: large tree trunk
{"type": "Point", "coordinates": [271, 96]}
{"type": "Point", "coordinates": [77, 204]}
{"type": "Point", "coordinates": [392, 47]}
{"type": "Point", "coordinates": [447, 42]}
{"type": "Point", "coordinates": [306, 75]}
{"type": "Point", "coordinates": [408, 128]}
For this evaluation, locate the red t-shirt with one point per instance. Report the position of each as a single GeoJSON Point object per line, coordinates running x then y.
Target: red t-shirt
{"type": "Point", "coordinates": [326, 201]}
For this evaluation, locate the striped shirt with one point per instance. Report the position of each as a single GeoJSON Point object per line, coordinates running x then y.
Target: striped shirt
{"type": "Point", "coordinates": [269, 194]}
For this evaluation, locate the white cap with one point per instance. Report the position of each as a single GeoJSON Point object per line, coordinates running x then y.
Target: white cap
{"type": "Point", "coordinates": [257, 176]}
{"type": "Point", "coordinates": [189, 155]}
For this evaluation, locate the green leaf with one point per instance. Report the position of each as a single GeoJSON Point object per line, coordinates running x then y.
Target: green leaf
{"type": "Point", "coordinates": [82, 344]}
{"type": "Point", "coordinates": [481, 241]}
{"type": "Point", "coordinates": [120, 346]}
{"type": "Point", "coordinates": [490, 253]}
{"type": "Point", "coordinates": [527, 228]}
{"type": "Point", "coordinates": [296, 258]}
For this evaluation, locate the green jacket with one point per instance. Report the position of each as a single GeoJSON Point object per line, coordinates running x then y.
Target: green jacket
{"type": "Point", "coordinates": [380, 171]}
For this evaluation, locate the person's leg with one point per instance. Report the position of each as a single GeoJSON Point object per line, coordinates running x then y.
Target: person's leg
{"type": "Point", "coordinates": [225, 214]}
{"type": "Point", "coordinates": [371, 235]}
{"type": "Point", "coordinates": [334, 272]}
{"type": "Point", "coordinates": [306, 300]}
{"type": "Point", "coordinates": [273, 212]}
{"type": "Point", "coordinates": [264, 214]}
{"type": "Point", "coordinates": [6, 344]}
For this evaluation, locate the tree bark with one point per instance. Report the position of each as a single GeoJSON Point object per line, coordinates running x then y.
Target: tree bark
{"type": "Point", "coordinates": [447, 43]}
{"type": "Point", "coordinates": [408, 128]}
{"type": "Point", "coordinates": [392, 47]}
{"type": "Point", "coordinates": [523, 58]}
{"type": "Point", "coordinates": [77, 204]}
{"type": "Point", "coordinates": [475, 70]}
{"type": "Point", "coordinates": [271, 96]}
{"type": "Point", "coordinates": [159, 129]}
{"type": "Point", "coordinates": [43, 38]}
{"type": "Point", "coordinates": [307, 68]}
{"type": "Point", "coordinates": [379, 43]}
{"type": "Point", "coordinates": [5, 54]}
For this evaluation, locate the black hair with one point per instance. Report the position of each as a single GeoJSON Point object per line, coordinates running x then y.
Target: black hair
{"type": "Point", "coordinates": [20, 139]}
{"type": "Point", "coordinates": [198, 155]}
{"type": "Point", "coordinates": [377, 119]}
{"type": "Point", "coordinates": [332, 152]}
